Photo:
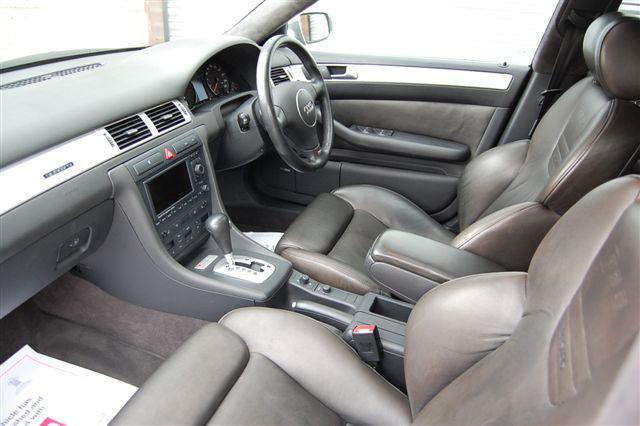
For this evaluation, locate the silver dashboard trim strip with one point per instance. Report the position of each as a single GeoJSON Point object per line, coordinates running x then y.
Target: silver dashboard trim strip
{"type": "Point", "coordinates": [414, 75]}
{"type": "Point", "coordinates": [26, 179]}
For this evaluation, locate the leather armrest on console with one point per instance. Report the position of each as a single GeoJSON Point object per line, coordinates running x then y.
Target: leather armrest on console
{"type": "Point", "coordinates": [409, 265]}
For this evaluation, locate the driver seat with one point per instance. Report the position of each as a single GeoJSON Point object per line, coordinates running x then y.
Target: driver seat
{"type": "Point", "coordinates": [509, 196]}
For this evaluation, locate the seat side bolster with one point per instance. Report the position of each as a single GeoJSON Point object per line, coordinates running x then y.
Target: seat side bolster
{"type": "Point", "coordinates": [190, 385]}
{"type": "Point", "coordinates": [393, 210]}
{"type": "Point", "coordinates": [488, 176]}
{"type": "Point", "coordinates": [322, 363]}
{"type": "Point", "coordinates": [509, 236]}
{"type": "Point", "coordinates": [319, 226]}
{"type": "Point", "coordinates": [456, 325]}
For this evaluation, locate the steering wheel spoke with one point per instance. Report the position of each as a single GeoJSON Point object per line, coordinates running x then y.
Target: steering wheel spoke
{"type": "Point", "coordinates": [280, 117]}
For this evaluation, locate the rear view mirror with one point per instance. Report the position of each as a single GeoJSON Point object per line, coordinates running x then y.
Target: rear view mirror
{"type": "Point", "coordinates": [314, 26]}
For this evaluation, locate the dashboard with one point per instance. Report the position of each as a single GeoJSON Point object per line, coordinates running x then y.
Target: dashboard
{"type": "Point", "coordinates": [69, 126]}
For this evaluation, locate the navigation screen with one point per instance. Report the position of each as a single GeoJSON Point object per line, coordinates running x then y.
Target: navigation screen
{"type": "Point", "coordinates": [169, 187]}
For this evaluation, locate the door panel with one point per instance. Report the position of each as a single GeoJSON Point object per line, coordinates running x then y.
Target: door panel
{"type": "Point", "coordinates": [372, 138]}
{"type": "Point", "coordinates": [409, 125]}
{"type": "Point", "coordinates": [460, 123]}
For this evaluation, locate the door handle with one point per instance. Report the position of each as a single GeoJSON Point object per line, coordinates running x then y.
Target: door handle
{"type": "Point", "coordinates": [349, 73]}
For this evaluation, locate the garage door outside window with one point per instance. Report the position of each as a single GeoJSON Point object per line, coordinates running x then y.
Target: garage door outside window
{"type": "Point", "coordinates": [489, 30]}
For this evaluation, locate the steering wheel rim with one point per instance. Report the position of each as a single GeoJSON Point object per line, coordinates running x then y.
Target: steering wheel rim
{"type": "Point", "coordinates": [296, 114]}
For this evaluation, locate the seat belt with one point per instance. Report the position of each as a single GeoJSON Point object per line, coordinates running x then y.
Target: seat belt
{"type": "Point", "coordinates": [575, 27]}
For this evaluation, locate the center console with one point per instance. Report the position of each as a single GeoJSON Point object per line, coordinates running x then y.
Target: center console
{"type": "Point", "coordinates": [344, 311]}
{"type": "Point", "coordinates": [173, 181]}
{"type": "Point", "coordinates": [172, 248]}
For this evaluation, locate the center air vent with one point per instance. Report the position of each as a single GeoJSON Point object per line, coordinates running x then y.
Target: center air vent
{"type": "Point", "coordinates": [278, 75]}
{"type": "Point", "coordinates": [165, 116]}
{"type": "Point", "coordinates": [128, 131]}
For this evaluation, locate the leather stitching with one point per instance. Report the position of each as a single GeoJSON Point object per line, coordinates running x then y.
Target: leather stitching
{"type": "Point", "coordinates": [494, 223]}
{"type": "Point", "coordinates": [508, 185]}
{"type": "Point", "coordinates": [585, 151]}
{"type": "Point", "coordinates": [436, 229]}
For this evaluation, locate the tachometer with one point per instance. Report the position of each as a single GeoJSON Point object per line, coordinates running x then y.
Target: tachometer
{"type": "Point", "coordinates": [217, 80]}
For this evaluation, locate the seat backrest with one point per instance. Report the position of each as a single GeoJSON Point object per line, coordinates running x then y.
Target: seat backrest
{"type": "Point", "coordinates": [589, 136]}
{"type": "Point", "coordinates": [570, 355]}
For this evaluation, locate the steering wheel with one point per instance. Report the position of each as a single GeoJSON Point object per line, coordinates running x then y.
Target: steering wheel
{"type": "Point", "coordinates": [296, 114]}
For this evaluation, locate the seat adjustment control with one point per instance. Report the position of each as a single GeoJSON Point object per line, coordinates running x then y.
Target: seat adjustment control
{"type": "Point", "coordinates": [304, 279]}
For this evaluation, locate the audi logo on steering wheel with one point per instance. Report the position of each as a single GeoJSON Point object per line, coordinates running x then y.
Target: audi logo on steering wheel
{"type": "Point", "coordinates": [308, 107]}
{"type": "Point", "coordinates": [305, 105]}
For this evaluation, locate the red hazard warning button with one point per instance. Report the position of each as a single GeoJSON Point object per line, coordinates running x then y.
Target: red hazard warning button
{"type": "Point", "coordinates": [168, 154]}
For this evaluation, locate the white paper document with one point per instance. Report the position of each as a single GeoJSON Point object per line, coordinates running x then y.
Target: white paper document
{"type": "Point", "coordinates": [40, 390]}
{"type": "Point", "coordinates": [268, 240]}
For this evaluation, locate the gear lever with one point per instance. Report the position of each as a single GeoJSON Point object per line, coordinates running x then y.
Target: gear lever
{"type": "Point", "coordinates": [218, 227]}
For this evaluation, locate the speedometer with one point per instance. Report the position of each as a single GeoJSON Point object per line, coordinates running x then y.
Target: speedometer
{"type": "Point", "coordinates": [217, 80]}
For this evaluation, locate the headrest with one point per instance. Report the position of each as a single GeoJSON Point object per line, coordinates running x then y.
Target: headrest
{"type": "Point", "coordinates": [612, 52]}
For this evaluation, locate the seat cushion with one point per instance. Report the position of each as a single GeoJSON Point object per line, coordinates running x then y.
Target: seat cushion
{"type": "Point", "coordinates": [265, 366]}
{"type": "Point", "coordinates": [331, 238]}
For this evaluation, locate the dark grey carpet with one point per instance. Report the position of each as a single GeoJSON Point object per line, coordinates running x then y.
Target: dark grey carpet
{"type": "Point", "coordinates": [74, 321]}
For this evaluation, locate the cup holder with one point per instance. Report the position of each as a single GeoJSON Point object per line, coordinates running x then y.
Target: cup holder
{"type": "Point", "coordinates": [390, 308]}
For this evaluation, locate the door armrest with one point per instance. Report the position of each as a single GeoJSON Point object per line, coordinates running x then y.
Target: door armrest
{"type": "Point", "coordinates": [404, 144]}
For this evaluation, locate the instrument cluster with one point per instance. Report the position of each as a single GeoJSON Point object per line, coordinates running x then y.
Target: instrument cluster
{"type": "Point", "coordinates": [213, 81]}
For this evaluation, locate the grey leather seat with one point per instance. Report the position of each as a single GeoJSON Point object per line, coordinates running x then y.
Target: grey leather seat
{"type": "Point", "coordinates": [509, 196]}
{"type": "Point", "coordinates": [556, 345]}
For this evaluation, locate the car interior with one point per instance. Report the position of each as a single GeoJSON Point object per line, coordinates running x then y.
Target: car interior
{"type": "Point", "coordinates": [450, 242]}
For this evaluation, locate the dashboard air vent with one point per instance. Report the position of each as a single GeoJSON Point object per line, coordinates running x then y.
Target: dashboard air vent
{"type": "Point", "coordinates": [128, 131]}
{"type": "Point", "coordinates": [165, 116]}
{"type": "Point", "coordinates": [278, 75]}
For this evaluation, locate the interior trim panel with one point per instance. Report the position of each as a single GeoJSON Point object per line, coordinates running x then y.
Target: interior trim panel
{"type": "Point", "coordinates": [48, 169]}
{"type": "Point", "coordinates": [411, 75]}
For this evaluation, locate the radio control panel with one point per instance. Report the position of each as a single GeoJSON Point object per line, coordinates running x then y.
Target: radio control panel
{"type": "Point", "coordinates": [173, 180]}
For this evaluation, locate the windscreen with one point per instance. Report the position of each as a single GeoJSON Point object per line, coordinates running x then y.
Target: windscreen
{"type": "Point", "coordinates": [33, 27]}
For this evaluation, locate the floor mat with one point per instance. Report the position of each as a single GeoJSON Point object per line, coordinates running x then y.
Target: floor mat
{"type": "Point", "coordinates": [77, 300]}
{"type": "Point", "coordinates": [77, 344]}
{"type": "Point", "coordinates": [74, 321]}
{"type": "Point", "coordinates": [268, 240]}
{"type": "Point", "coordinates": [37, 389]}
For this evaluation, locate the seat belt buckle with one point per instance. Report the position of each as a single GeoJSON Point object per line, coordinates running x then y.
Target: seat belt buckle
{"type": "Point", "coordinates": [367, 340]}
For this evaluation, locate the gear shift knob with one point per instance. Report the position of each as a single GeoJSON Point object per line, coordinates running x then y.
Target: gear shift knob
{"type": "Point", "coordinates": [218, 227]}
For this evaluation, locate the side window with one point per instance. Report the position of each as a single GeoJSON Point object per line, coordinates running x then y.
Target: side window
{"type": "Point", "coordinates": [488, 30]}
{"type": "Point", "coordinates": [630, 7]}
